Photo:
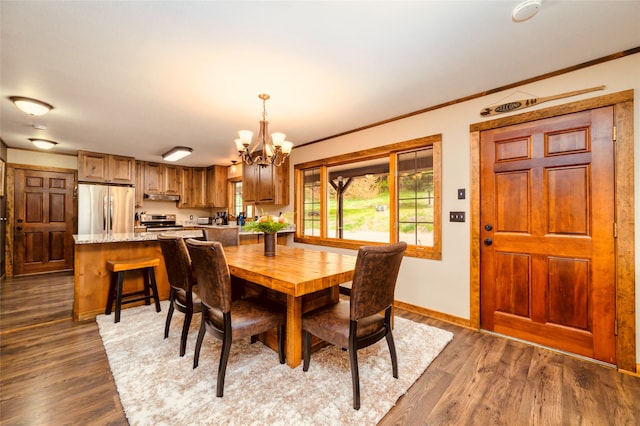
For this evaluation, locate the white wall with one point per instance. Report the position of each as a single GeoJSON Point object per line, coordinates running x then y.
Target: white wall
{"type": "Point", "coordinates": [444, 286]}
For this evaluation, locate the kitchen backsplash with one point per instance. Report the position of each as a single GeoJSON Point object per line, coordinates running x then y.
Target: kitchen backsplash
{"type": "Point", "coordinates": [189, 216]}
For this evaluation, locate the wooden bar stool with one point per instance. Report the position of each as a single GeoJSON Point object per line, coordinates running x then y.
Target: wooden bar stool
{"type": "Point", "coordinates": [118, 268]}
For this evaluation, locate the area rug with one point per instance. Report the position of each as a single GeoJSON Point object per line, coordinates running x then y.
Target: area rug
{"type": "Point", "coordinates": [158, 387]}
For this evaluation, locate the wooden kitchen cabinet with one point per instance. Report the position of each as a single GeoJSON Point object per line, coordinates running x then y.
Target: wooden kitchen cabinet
{"type": "Point", "coordinates": [161, 179]}
{"type": "Point", "coordinates": [106, 168]}
{"type": "Point", "coordinates": [266, 185]}
{"type": "Point", "coordinates": [216, 186]}
{"type": "Point", "coordinates": [139, 183]}
{"type": "Point", "coordinates": [193, 187]}
{"type": "Point", "coordinates": [199, 187]}
{"type": "Point", "coordinates": [186, 187]}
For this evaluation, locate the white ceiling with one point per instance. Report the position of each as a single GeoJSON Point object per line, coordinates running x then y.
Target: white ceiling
{"type": "Point", "coordinates": [139, 77]}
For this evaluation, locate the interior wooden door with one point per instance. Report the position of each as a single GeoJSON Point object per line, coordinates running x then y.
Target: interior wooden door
{"type": "Point", "coordinates": [547, 217]}
{"type": "Point", "coordinates": [43, 227]}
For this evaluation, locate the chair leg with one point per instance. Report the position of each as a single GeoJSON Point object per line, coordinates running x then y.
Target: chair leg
{"type": "Point", "coordinates": [185, 331]}
{"type": "Point", "coordinates": [281, 343]}
{"type": "Point", "coordinates": [392, 351]}
{"type": "Point", "coordinates": [306, 350]}
{"type": "Point", "coordinates": [224, 358]}
{"type": "Point", "coordinates": [355, 376]}
{"type": "Point", "coordinates": [167, 323]}
{"type": "Point", "coordinates": [203, 328]}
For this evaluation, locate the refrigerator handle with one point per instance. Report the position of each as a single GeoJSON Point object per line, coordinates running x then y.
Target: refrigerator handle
{"type": "Point", "coordinates": [110, 213]}
{"type": "Point", "coordinates": [104, 213]}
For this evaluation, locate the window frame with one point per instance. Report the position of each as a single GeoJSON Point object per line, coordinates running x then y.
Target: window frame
{"type": "Point", "coordinates": [390, 151]}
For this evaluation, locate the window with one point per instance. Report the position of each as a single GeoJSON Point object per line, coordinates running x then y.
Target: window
{"type": "Point", "coordinates": [381, 195]}
{"type": "Point", "coordinates": [359, 201]}
{"type": "Point", "coordinates": [237, 197]}
{"type": "Point", "coordinates": [311, 202]}
{"type": "Point", "coordinates": [415, 197]}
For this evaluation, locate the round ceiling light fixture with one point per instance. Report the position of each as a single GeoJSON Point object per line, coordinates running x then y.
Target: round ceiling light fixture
{"type": "Point", "coordinates": [31, 106]}
{"type": "Point", "coordinates": [43, 143]}
{"type": "Point", "coordinates": [526, 10]}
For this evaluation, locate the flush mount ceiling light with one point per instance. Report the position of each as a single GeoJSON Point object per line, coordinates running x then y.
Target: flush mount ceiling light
{"type": "Point", "coordinates": [526, 10]}
{"type": "Point", "coordinates": [31, 106]}
{"type": "Point", "coordinates": [43, 143]}
{"type": "Point", "coordinates": [177, 153]}
{"type": "Point", "coordinates": [267, 148]}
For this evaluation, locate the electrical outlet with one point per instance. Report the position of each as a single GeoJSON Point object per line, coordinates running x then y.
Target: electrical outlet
{"type": "Point", "coordinates": [456, 217]}
{"type": "Point", "coordinates": [461, 194]}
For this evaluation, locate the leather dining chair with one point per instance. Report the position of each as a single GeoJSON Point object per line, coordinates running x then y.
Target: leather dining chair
{"type": "Point", "coordinates": [228, 319]}
{"type": "Point", "coordinates": [183, 295]}
{"type": "Point", "coordinates": [356, 323]}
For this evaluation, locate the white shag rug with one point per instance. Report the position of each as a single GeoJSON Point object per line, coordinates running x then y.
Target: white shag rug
{"type": "Point", "coordinates": [158, 387]}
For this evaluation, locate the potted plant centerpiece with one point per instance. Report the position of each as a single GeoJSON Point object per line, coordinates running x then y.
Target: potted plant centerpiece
{"type": "Point", "coordinates": [269, 225]}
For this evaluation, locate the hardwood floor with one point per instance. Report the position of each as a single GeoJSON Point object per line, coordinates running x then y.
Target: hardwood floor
{"type": "Point", "coordinates": [55, 371]}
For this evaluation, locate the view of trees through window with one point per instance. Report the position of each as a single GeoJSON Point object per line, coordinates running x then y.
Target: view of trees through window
{"type": "Point", "coordinates": [386, 194]}
{"type": "Point", "coordinates": [365, 203]}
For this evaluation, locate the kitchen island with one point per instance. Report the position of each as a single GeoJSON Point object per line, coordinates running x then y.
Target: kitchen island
{"type": "Point", "coordinates": [92, 279]}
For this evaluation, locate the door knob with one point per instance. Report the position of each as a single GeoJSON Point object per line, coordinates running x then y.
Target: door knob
{"type": "Point", "coordinates": [488, 241]}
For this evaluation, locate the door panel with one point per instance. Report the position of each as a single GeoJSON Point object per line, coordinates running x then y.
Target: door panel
{"type": "Point", "coordinates": [44, 221]}
{"type": "Point", "coordinates": [547, 261]}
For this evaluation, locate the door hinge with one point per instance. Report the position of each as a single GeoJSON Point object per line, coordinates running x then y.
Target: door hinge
{"type": "Point", "coordinates": [615, 230]}
{"type": "Point", "coordinates": [615, 327]}
{"type": "Point", "coordinates": [615, 133]}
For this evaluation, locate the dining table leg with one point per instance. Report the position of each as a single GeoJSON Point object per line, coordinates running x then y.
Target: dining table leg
{"type": "Point", "coordinates": [293, 338]}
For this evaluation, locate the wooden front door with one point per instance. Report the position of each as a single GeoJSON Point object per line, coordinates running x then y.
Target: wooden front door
{"type": "Point", "coordinates": [43, 227]}
{"type": "Point", "coordinates": [547, 218]}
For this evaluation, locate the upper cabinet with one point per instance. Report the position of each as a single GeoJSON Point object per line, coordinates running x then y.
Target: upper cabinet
{"type": "Point", "coordinates": [216, 184]}
{"type": "Point", "coordinates": [266, 185]}
{"type": "Point", "coordinates": [106, 168]}
{"type": "Point", "coordinates": [161, 179]}
{"type": "Point", "coordinates": [139, 183]}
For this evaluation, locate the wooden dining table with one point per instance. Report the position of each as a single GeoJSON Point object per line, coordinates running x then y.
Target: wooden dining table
{"type": "Point", "coordinates": [296, 273]}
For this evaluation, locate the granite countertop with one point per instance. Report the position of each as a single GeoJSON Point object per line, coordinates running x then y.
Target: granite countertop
{"type": "Point", "coordinates": [130, 237]}
{"type": "Point", "coordinates": [153, 236]}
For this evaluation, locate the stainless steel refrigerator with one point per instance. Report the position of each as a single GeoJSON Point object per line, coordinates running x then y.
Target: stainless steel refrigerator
{"type": "Point", "coordinates": [105, 209]}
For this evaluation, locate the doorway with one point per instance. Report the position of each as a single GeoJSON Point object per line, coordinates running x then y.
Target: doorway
{"type": "Point", "coordinates": [43, 222]}
{"type": "Point", "coordinates": [547, 217]}
{"type": "Point", "coordinates": [557, 268]}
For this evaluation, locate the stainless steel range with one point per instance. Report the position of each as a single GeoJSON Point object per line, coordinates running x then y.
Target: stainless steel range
{"type": "Point", "coordinates": [159, 222]}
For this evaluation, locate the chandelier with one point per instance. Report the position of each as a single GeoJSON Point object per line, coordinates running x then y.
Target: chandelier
{"type": "Point", "coordinates": [268, 148]}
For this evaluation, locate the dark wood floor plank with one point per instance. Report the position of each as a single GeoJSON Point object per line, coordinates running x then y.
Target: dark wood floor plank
{"type": "Point", "coordinates": [55, 371]}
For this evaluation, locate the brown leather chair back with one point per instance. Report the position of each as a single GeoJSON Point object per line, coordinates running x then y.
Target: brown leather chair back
{"type": "Point", "coordinates": [177, 262]}
{"type": "Point", "coordinates": [212, 273]}
{"type": "Point", "coordinates": [374, 278]}
{"type": "Point", "coordinates": [225, 236]}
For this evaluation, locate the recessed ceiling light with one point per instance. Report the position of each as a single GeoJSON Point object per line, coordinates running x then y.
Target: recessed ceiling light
{"type": "Point", "coordinates": [43, 143]}
{"type": "Point", "coordinates": [526, 10]}
{"type": "Point", "coordinates": [31, 106]}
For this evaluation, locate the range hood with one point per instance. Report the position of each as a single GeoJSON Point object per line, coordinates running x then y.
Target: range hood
{"type": "Point", "coordinates": [161, 197]}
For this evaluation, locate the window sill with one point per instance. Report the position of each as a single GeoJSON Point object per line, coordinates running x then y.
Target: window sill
{"type": "Point", "coordinates": [421, 252]}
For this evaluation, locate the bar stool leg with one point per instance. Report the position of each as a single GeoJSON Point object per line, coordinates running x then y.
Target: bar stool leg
{"type": "Point", "coordinates": [154, 287]}
{"type": "Point", "coordinates": [112, 291]}
{"type": "Point", "coordinates": [119, 295]}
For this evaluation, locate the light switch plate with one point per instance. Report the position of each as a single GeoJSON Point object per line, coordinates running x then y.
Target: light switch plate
{"type": "Point", "coordinates": [456, 217]}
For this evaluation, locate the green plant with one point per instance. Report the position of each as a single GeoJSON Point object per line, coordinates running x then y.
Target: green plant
{"type": "Point", "coordinates": [268, 224]}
